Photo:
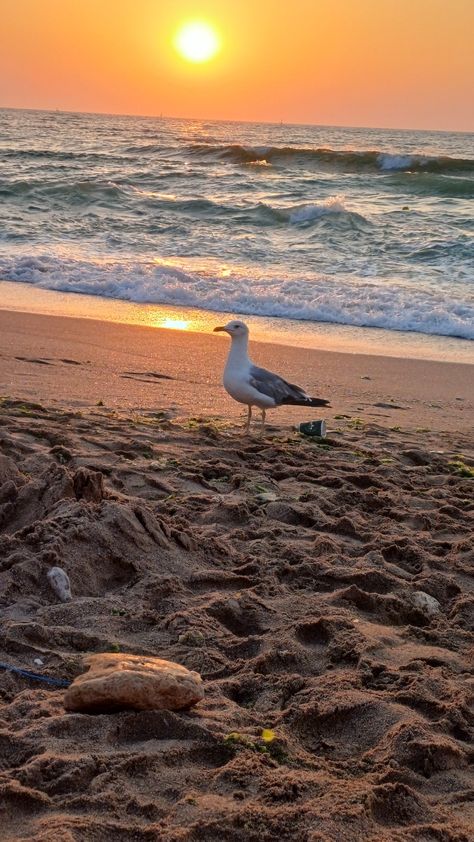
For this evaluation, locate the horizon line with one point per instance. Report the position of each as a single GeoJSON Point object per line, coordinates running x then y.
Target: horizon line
{"type": "Point", "coordinates": [227, 120]}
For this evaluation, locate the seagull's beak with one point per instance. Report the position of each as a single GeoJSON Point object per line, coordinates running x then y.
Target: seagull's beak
{"type": "Point", "coordinates": [218, 328]}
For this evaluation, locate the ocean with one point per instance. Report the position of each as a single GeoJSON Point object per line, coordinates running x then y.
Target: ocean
{"type": "Point", "coordinates": [300, 225]}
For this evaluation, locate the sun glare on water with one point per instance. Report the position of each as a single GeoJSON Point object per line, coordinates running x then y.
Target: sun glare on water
{"type": "Point", "coordinates": [197, 41]}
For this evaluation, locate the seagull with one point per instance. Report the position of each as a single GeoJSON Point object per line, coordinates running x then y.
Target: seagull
{"type": "Point", "coordinates": [254, 386]}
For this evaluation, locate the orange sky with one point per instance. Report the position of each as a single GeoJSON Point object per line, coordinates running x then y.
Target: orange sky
{"type": "Point", "coordinates": [396, 63]}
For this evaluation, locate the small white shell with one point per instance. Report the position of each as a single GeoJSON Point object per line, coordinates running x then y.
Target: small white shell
{"type": "Point", "coordinates": [59, 581]}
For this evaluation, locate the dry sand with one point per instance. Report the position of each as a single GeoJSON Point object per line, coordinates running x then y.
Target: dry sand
{"type": "Point", "coordinates": [283, 570]}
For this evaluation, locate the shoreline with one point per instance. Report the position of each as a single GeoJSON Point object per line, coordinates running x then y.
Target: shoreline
{"type": "Point", "coordinates": [349, 339]}
{"type": "Point", "coordinates": [80, 362]}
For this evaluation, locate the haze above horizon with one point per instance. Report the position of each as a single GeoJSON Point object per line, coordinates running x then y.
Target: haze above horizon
{"type": "Point", "coordinates": [406, 64]}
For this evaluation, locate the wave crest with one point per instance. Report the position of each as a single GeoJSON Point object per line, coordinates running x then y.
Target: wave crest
{"type": "Point", "coordinates": [333, 208]}
{"type": "Point", "coordinates": [341, 158]}
{"type": "Point", "coordinates": [338, 300]}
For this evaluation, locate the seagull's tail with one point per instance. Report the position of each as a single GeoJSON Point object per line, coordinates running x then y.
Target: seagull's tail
{"type": "Point", "coordinates": [305, 401]}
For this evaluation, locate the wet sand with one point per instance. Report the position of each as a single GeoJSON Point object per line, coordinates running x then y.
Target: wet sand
{"type": "Point", "coordinates": [79, 362]}
{"type": "Point", "coordinates": [284, 570]}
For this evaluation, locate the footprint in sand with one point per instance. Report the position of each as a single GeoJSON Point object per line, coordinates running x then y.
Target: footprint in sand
{"type": "Point", "coordinates": [383, 405]}
{"type": "Point", "coordinates": [145, 376]}
{"type": "Point", "coordinates": [34, 360]}
{"type": "Point", "coordinates": [48, 360]}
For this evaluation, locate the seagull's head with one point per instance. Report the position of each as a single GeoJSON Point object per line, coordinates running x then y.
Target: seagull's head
{"type": "Point", "coordinates": [234, 328]}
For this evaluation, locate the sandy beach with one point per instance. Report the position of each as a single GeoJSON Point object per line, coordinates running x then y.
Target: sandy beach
{"type": "Point", "coordinates": [78, 362]}
{"type": "Point", "coordinates": [285, 570]}
{"type": "Point", "coordinates": [211, 630]}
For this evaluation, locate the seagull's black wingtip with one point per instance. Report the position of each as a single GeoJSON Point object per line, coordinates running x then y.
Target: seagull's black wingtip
{"type": "Point", "coordinates": [292, 401]}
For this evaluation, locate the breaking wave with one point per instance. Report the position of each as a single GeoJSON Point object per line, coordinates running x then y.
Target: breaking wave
{"type": "Point", "coordinates": [338, 300]}
{"type": "Point", "coordinates": [343, 159]}
{"type": "Point", "coordinates": [111, 194]}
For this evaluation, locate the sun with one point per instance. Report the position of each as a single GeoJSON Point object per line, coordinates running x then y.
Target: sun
{"type": "Point", "coordinates": [197, 41]}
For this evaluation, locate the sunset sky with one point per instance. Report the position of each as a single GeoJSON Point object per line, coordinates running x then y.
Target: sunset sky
{"type": "Point", "coordinates": [394, 63]}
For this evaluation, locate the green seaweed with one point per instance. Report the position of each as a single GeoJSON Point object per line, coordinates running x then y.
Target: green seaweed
{"type": "Point", "coordinates": [461, 469]}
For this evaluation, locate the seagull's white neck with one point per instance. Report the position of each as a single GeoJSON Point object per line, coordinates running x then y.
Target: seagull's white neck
{"type": "Point", "coordinates": [238, 353]}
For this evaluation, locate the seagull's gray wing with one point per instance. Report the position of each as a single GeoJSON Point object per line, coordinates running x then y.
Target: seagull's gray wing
{"type": "Point", "coordinates": [274, 386]}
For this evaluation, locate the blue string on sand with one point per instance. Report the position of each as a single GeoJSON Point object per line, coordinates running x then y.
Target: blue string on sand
{"type": "Point", "coordinates": [55, 682]}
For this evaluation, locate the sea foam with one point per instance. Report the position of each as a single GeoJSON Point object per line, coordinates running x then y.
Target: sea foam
{"type": "Point", "coordinates": [338, 300]}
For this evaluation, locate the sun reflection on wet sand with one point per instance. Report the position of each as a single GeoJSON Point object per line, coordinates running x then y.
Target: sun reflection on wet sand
{"type": "Point", "coordinates": [343, 338]}
{"type": "Point", "coordinates": [174, 324]}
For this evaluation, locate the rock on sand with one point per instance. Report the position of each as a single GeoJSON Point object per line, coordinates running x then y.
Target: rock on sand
{"type": "Point", "coordinates": [426, 603]}
{"type": "Point", "coordinates": [59, 581]}
{"type": "Point", "coordinates": [121, 682]}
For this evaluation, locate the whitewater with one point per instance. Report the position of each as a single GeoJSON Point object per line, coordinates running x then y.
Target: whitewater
{"type": "Point", "coordinates": [361, 227]}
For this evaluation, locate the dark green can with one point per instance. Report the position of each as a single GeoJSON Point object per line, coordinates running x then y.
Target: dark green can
{"type": "Point", "coordinates": [313, 428]}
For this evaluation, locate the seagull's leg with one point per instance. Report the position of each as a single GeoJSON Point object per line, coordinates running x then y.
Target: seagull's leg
{"type": "Point", "coordinates": [262, 429]}
{"type": "Point", "coordinates": [249, 418]}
